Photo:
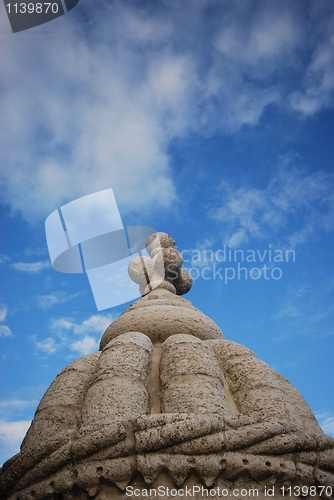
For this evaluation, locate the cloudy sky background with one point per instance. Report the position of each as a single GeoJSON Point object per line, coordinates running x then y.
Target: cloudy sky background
{"type": "Point", "coordinates": [211, 120]}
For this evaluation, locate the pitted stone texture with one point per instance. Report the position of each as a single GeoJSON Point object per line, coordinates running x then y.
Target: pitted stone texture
{"type": "Point", "coordinates": [158, 284]}
{"type": "Point", "coordinates": [128, 355]}
{"type": "Point", "coordinates": [89, 473]}
{"type": "Point", "coordinates": [258, 467]}
{"type": "Point", "coordinates": [180, 441]}
{"type": "Point", "coordinates": [162, 269]}
{"type": "Point", "coordinates": [99, 436]}
{"type": "Point", "coordinates": [254, 385]}
{"type": "Point", "coordinates": [168, 262]}
{"type": "Point", "coordinates": [183, 283]}
{"type": "Point", "coordinates": [191, 377]}
{"type": "Point", "coordinates": [187, 355]}
{"type": "Point", "coordinates": [248, 435]}
{"type": "Point", "coordinates": [141, 270]}
{"type": "Point", "coordinates": [60, 407]}
{"type": "Point", "coordinates": [55, 461]}
{"type": "Point", "coordinates": [160, 319]}
{"type": "Point", "coordinates": [310, 422]}
{"type": "Point", "coordinates": [268, 403]}
{"type": "Point", "coordinates": [120, 386]}
{"type": "Point", "coordinates": [55, 485]}
{"type": "Point", "coordinates": [154, 432]}
{"type": "Point", "coordinates": [197, 394]}
{"type": "Point", "coordinates": [161, 297]}
{"type": "Point", "coordinates": [118, 443]}
{"type": "Point", "coordinates": [157, 241]}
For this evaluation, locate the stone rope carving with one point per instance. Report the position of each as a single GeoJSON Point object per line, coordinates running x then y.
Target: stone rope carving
{"type": "Point", "coordinates": [167, 400]}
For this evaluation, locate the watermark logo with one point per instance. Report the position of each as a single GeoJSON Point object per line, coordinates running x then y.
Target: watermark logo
{"type": "Point", "coordinates": [87, 236]}
{"type": "Point", "coordinates": [227, 264]}
{"type": "Point", "coordinates": [28, 14]}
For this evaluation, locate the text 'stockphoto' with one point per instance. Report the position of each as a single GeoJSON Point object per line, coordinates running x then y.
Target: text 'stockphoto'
{"type": "Point", "coordinates": [167, 277]}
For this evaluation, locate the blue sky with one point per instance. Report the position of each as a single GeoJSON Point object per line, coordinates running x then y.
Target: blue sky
{"type": "Point", "coordinates": [212, 121]}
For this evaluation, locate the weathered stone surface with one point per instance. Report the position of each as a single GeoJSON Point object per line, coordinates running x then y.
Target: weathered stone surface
{"type": "Point", "coordinates": [255, 386]}
{"type": "Point", "coordinates": [160, 321]}
{"type": "Point", "coordinates": [157, 241]}
{"type": "Point", "coordinates": [141, 270]}
{"type": "Point", "coordinates": [258, 467]}
{"type": "Point", "coordinates": [89, 474]}
{"type": "Point", "coordinates": [187, 355]}
{"type": "Point", "coordinates": [60, 407]}
{"type": "Point", "coordinates": [168, 402]}
{"type": "Point", "coordinates": [58, 484]}
{"type": "Point", "coordinates": [160, 297]}
{"type": "Point", "coordinates": [183, 282]}
{"type": "Point", "coordinates": [94, 437]}
{"type": "Point", "coordinates": [309, 420]}
{"type": "Point", "coordinates": [168, 262]}
{"type": "Point", "coordinates": [250, 434]}
{"type": "Point", "coordinates": [158, 283]}
{"type": "Point", "coordinates": [304, 475]}
{"type": "Point", "coordinates": [191, 377]}
{"type": "Point", "coordinates": [172, 429]}
{"type": "Point", "coordinates": [162, 269]}
{"type": "Point", "coordinates": [119, 388]}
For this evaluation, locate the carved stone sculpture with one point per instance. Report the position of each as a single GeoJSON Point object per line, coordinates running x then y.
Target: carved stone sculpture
{"type": "Point", "coordinates": [168, 402]}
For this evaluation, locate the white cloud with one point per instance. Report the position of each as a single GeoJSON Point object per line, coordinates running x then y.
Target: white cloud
{"type": "Point", "coordinates": [318, 89]}
{"type": "Point", "coordinates": [91, 108]}
{"type": "Point", "coordinates": [269, 36]}
{"type": "Point", "coordinates": [35, 251]}
{"type": "Point", "coordinates": [54, 298]}
{"type": "Point", "coordinates": [326, 422]}
{"type": "Point", "coordinates": [48, 345]}
{"type": "Point", "coordinates": [102, 108]}
{"type": "Point", "coordinates": [4, 259]}
{"type": "Point", "coordinates": [62, 330]}
{"type": "Point", "coordinates": [85, 346]}
{"type": "Point", "coordinates": [295, 200]}
{"type": "Point", "coordinates": [96, 323]}
{"type": "Point", "coordinates": [11, 436]}
{"type": "Point", "coordinates": [17, 403]}
{"type": "Point", "coordinates": [31, 267]}
{"type": "Point", "coordinates": [61, 324]}
{"type": "Point", "coordinates": [3, 311]}
{"type": "Point", "coordinates": [5, 331]}
{"type": "Point", "coordinates": [305, 310]}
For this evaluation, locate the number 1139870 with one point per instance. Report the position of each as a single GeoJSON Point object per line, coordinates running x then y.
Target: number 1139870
{"type": "Point", "coordinates": [31, 8]}
{"type": "Point", "coordinates": [297, 491]}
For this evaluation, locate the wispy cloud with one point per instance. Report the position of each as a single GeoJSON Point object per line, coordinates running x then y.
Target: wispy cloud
{"type": "Point", "coordinates": [85, 346]}
{"type": "Point", "coordinates": [48, 345]}
{"type": "Point", "coordinates": [4, 259]}
{"type": "Point", "coordinates": [11, 435]}
{"type": "Point", "coordinates": [25, 267]}
{"type": "Point", "coordinates": [292, 197]}
{"type": "Point", "coordinates": [17, 403]}
{"type": "Point", "coordinates": [15, 418]}
{"type": "Point", "coordinates": [326, 422]}
{"type": "Point", "coordinates": [307, 309]}
{"type": "Point", "coordinates": [319, 78]}
{"type": "Point", "coordinates": [5, 331]}
{"type": "Point", "coordinates": [29, 251]}
{"type": "Point", "coordinates": [62, 330]}
{"type": "Point", "coordinates": [96, 323]}
{"type": "Point", "coordinates": [3, 311]}
{"type": "Point", "coordinates": [31, 267]}
{"type": "Point", "coordinates": [54, 298]}
{"type": "Point", "coordinates": [104, 113]}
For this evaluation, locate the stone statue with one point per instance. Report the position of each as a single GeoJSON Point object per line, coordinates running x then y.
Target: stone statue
{"type": "Point", "coordinates": [168, 402]}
